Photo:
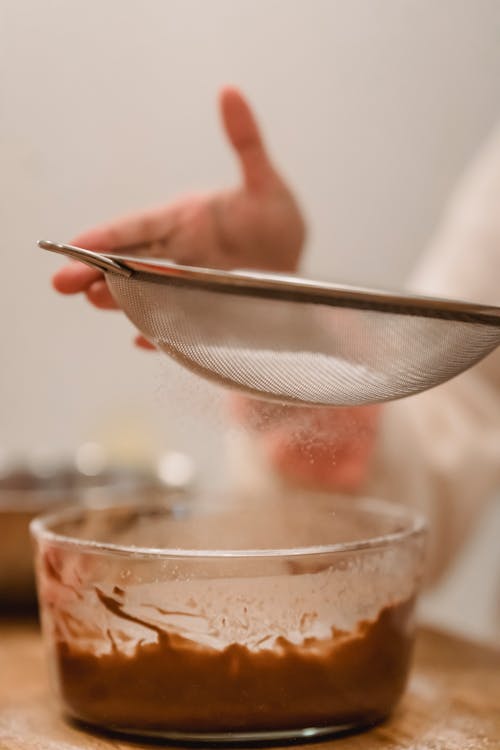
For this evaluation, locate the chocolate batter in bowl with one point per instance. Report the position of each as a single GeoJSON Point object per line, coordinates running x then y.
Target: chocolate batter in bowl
{"type": "Point", "coordinates": [283, 618]}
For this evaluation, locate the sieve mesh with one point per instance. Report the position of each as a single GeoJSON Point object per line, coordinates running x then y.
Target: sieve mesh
{"type": "Point", "coordinates": [308, 353]}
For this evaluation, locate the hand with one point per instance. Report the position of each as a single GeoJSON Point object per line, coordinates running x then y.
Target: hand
{"type": "Point", "coordinates": [257, 225]}
{"type": "Point", "coordinates": [316, 447]}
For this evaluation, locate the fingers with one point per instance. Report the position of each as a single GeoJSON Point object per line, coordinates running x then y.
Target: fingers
{"type": "Point", "coordinates": [127, 234]}
{"type": "Point", "coordinates": [323, 448]}
{"type": "Point", "coordinates": [100, 296]}
{"type": "Point", "coordinates": [131, 233]}
{"type": "Point", "coordinates": [75, 277]}
{"type": "Point", "coordinates": [143, 343]}
{"type": "Point", "coordinates": [243, 132]}
{"type": "Point", "coordinates": [324, 466]}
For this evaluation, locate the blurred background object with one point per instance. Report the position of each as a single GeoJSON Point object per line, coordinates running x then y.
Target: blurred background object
{"type": "Point", "coordinates": [43, 483]}
{"type": "Point", "coordinates": [373, 110]}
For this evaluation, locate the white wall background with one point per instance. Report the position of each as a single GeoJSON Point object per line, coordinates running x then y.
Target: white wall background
{"type": "Point", "coordinates": [373, 107]}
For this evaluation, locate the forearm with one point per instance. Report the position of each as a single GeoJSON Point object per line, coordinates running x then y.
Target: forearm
{"type": "Point", "coordinates": [441, 450]}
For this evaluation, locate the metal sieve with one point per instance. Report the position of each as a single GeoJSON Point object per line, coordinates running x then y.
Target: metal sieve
{"type": "Point", "coordinates": [295, 340]}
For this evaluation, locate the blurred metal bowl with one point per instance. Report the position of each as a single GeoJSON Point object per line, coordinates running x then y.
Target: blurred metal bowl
{"type": "Point", "coordinates": [27, 490]}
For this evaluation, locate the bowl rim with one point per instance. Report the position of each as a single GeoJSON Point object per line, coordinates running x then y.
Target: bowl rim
{"type": "Point", "coordinates": [415, 526]}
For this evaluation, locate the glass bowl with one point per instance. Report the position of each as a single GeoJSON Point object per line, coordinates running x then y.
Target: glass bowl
{"type": "Point", "coordinates": [221, 622]}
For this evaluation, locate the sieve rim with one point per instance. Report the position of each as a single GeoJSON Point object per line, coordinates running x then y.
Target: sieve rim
{"type": "Point", "coordinates": [278, 286]}
{"type": "Point", "coordinates": [294, 289]}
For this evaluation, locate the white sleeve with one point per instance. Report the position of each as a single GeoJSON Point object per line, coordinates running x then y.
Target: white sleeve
{"type": "Point", "coordinates": [440, 451]}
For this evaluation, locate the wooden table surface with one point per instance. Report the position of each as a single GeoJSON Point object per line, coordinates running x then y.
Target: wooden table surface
{"type": "Point", "coordinates": [452, 701]}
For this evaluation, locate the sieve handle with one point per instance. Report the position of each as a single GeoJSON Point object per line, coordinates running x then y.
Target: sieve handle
{"type": "Point", "coordinates": [96, 260]}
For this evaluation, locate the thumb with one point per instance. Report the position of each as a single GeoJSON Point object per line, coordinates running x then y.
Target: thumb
{"type": "Point", "coordinates": [243, 132]}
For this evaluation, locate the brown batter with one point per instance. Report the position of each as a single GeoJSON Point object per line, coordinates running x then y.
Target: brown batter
{"type": "Point", "coordinates": [179, 685]}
